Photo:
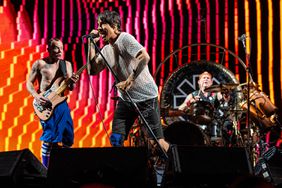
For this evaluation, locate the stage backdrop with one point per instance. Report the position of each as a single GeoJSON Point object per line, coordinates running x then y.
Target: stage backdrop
{"type": "Point", "coordinates": [162, 26]}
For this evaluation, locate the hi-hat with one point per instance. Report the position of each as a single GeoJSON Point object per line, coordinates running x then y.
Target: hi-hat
{"type": "Point", "coordinates": [221, 87]}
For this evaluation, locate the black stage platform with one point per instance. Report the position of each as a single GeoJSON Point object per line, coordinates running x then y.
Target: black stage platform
{"type": "Point", "coordinates": [188, 166]}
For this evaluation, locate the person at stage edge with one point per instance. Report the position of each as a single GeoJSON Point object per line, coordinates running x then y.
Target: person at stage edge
{"type": "Point", "coordinates": [58, 129]}
{"type": "Point", "coordinates": [129, 60]}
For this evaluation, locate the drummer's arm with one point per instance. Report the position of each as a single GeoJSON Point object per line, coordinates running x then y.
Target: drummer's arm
{"type": "Point", "coordinates": [185, 105]}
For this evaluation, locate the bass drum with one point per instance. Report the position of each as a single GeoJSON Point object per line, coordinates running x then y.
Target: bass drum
{"type": "Point", "coordinates": [184, 133]}
{"type": "Point", "coordinates": [185, 80]}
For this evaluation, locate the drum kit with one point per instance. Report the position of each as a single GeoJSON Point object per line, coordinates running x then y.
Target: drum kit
{"type": "Point", "coordinates": [226, 126]}
{"type": "Point", "coordinates": [245, 121]}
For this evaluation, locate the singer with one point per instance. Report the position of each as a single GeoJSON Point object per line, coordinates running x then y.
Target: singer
{"type": "Point", "coordinates": [129, 60]}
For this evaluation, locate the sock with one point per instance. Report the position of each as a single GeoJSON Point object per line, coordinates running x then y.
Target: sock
{"type": "Point", "coordinates": [45, 153]}
{"type": "Point", "coordinates": [116, 140]}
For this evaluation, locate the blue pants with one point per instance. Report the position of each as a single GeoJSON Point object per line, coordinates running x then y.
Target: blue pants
{"type": "Point", "coordinates": [59, 127]}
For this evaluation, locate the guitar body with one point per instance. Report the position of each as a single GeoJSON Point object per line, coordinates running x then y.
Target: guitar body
{"type": "Point", "coordinates": [54, 94]}
{"type": "Point", "coordinates": [45, 112]}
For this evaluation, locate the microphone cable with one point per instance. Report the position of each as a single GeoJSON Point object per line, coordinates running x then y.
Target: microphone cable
{"type": "Point", "coordinates": [92, 89]}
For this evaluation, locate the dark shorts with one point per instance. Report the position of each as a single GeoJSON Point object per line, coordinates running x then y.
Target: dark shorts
{"type": "Point", "coordinates": [126, 114]}
{"type": "Point", "coordinates": [59, 128]}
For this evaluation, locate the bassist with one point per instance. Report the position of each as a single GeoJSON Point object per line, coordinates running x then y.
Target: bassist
{"type": "Point", "coordinates": [48, 73]}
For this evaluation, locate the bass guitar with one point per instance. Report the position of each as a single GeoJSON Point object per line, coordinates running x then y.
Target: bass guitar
{"type": "Point", "coordinates": [54, 94]}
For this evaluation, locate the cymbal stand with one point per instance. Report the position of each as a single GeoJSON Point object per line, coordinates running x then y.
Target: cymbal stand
{"type": "Point", "coordinates": [239, 140]}
{"type": "Point", "coordinates": [249, 80]}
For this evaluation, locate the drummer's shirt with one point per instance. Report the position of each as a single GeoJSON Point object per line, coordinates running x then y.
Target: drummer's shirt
{"type": "Point", "coordinates": [211, 97]}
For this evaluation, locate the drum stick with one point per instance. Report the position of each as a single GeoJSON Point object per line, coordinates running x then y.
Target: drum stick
{"type": "Point", "coordinates": [199, 93]}
{"type": "Point", "coordinates": [200, 90]}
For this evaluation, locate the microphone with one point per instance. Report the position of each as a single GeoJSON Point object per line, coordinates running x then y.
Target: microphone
{"type": "Point", "coordinates": [242, 38]}
{"type": "Point", "coordinates": [91, 35]}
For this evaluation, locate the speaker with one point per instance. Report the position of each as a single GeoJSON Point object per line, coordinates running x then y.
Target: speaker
{"type": "Point", "coordinates": [206, 166]}
{"type": "Point", "coordinates": [110, 166]}
{"type": "Point", "coordinates": [21, 169]}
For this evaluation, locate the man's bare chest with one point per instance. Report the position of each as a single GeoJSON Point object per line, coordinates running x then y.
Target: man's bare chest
{"type": "Point", "coordinates": [49, 71]}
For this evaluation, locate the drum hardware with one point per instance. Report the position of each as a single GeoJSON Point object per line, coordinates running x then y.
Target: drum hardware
{"type": "Point", "coordinates": [249, 80]}
{"type": "Point", "coordinates": [259, 123]}
{"type": "Point", "coordinates": [252, 85]}
{"type": "Point", "coordinates": [201, 112]}
{"type": "Point", "coordinates": [169, 112]}
{"type": "Point", "coordinates": [239, 141]}
{"type": "Point", "coordinates": [261, 166]}
{"type": "Point", "coordinates": [237, 138]}
{"type": "Point", "coordinates": [261, 108]}
{"type": "Point", "coordinates": [221, 130]}
{"type": "Point", "coordinates": [216, 135]}
{"type": "Point", "coordinates": [273, 118]}
{"type": "Point", "coordinates": [222, 87]}
{"type": "Point", "coordinates": [202, 127]}
{"type": "Point", "coordinates": [237, 110]}
{"type": "Point", "coordinates": [137, 135]}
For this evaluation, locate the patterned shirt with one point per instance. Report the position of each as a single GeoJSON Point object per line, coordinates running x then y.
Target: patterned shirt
{"type": "Point", "coordinates": [121, 57]}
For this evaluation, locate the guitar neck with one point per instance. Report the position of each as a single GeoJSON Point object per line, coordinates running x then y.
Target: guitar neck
{"type": "Point", "coordinates": [68, 81]}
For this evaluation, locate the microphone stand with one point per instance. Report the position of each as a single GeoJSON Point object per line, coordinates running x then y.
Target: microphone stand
{"type": "Point", "coordinates": [130, 99]}
{"type": "Point", "coordinates": [249, 79]}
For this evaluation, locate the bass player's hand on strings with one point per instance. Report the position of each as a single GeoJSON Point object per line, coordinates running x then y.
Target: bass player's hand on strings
{"type": "Point", "coordinates": [41, 100]}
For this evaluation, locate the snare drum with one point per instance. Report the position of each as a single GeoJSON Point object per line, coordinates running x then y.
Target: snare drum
{"type": "Point", "coordinates": [201, 112]}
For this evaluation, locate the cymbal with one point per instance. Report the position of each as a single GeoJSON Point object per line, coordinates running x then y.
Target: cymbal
{"type": "Point", "coordinates": [221, 87]}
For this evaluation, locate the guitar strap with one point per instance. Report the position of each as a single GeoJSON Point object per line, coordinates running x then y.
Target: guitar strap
{"type": "Point", "coordinates": [63, 67]}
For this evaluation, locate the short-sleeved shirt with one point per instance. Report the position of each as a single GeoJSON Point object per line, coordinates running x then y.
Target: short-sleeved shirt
{"type": "Point", "coordinates": [121, 57]}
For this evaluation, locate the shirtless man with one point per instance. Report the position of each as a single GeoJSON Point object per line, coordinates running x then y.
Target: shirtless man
{"type": "Point", "coordinates": [59, 127]}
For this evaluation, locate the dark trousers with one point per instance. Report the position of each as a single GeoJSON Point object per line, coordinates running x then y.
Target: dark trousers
{"type": "Point", "coordinates": [126, 114]}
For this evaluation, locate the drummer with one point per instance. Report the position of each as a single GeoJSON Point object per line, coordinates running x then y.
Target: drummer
{"type": "Point", "coordinates": [205, 81]}
{"type": "Point", "coordinates": [218, 100]}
